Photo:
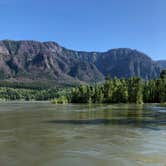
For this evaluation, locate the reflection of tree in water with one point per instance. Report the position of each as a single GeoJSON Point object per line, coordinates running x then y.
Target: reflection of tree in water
{"type": "Point", "coordinates": [135, 113]}
{"type": "Point", "coordinates": [123, 114]}
{"type": "Point", "coordinates": [118, 114]}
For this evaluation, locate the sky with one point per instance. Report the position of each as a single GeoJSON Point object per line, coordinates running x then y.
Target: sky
{"type": "Point", "coordinates": [88, 25]}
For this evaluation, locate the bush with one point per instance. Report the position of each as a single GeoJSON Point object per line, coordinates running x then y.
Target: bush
{"type": "Point", "coordinates": [60, 100]}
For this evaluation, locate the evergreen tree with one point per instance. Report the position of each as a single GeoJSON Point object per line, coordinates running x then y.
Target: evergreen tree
{"type": "Point", "coordinates": [135, 90]}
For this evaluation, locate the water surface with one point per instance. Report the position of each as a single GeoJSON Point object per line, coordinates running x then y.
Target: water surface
{"type": "Point", "coordinates": [42, 134]}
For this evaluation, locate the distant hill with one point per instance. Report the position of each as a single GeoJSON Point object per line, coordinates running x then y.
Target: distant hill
{"type": "Point", "coordinates": [162, 64]}
{"type": "Point", "coordinates": [32, 61]}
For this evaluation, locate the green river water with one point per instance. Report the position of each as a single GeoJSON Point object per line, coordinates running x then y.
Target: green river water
{"type": "Point", "coordinates": [43, 134]}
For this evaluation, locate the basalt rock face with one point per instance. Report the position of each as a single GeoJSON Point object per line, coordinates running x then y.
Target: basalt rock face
{"type": "Point", "coordinates": [162, 64]}
{"type": "Point", "coordinates": [47, 61]}
{"type": "Point", "coordinates": [25, 61]}
{"type": "Point", "coordinates": [126, 63]}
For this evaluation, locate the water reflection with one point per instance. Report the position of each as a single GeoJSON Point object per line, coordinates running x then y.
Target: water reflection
{"type": "Point", "coordinates": [135, 115]}
{"type": "Point", "coordinates": [95, 135]}
{"type": "Point", "coordinates": [108, 121]}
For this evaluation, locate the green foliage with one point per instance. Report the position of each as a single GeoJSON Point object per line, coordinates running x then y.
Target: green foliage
{"type": "Point", "coordinates": [154, 91]}
{"type": "Point", "coordinates": [115, 91]}
{"type": "Point", "coordinates": [132, 90]}
{"type": "Point", "coordinates": [135, 90]}
{"type": "Point", "coordinates": [7, 93]}
{"type": "Point", "coordinates": [60, 100]}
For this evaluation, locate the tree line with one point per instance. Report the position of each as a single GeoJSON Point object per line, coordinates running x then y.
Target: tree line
{"type": "Point", "coordinates": [8, 93]}
{"type": "Point", "coordinates": [132, 90]}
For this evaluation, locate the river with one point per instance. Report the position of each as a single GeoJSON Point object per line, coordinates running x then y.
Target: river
{"type": "Point", "coordinates": [43, 134]}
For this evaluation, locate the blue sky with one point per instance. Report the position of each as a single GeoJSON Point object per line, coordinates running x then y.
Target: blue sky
{"type": "Point", "coordinates": [89, 25]}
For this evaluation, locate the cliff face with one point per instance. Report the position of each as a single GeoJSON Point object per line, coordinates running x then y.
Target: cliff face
{"type": "Point", "coordinates": [127, 63]}
{"type": "Point", "coordinates": [47, 61]}
{"type": "Point", "coordinates": [162, 64]}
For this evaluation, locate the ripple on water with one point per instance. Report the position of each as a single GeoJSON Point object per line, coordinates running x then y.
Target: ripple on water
{"type": "Point", "coordinates": [117, 135]}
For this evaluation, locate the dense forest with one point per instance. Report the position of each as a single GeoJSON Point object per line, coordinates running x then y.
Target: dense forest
{"type": "Point", "coordinates": [17, 91]}
{"type": "Point", "coordinates": [132, 90]}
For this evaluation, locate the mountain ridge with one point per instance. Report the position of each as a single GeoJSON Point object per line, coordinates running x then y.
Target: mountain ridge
{"type": "Point", "coordinates": [162, 64]}
{"type": "Point", "coordinates": [30, 60]}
